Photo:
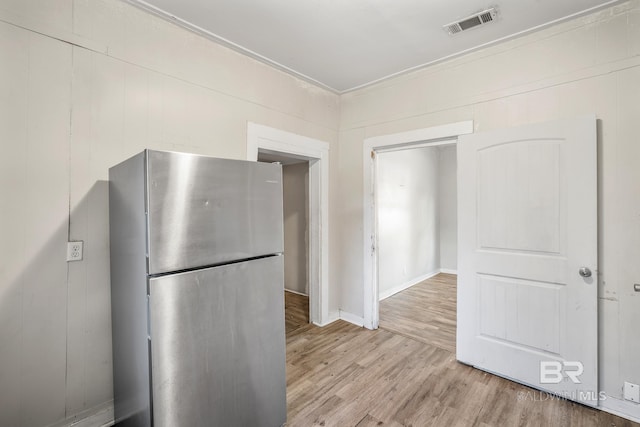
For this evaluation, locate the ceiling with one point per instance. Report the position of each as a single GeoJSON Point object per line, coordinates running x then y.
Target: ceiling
{"type": "Point", "coordinates": [346, 44]}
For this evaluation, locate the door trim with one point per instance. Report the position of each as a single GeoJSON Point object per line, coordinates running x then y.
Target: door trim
{"type": "Point", "coordinates": [371, 146]}
{"type": "Point", "coordinates": [266, 139]}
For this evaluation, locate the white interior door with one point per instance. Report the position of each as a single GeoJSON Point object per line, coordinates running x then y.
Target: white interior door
{"type": "Point", "coordinates": [527, 218]}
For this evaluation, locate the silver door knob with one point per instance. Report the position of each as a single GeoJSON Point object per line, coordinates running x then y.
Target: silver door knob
{"type": "Point", "coordinates": [584, 272]}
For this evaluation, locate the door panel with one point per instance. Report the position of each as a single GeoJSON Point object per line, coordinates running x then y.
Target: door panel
{"type": "Point", "coordinates": [510, 311]}
{"type": "Point", "coordinates": [205, 211]}
{"type": "Point", "coordinates": [527, 223]}
{"type": "Point", "coordinates": [520, 201]}
{"type": "Point", "coordinates": [218, 346]}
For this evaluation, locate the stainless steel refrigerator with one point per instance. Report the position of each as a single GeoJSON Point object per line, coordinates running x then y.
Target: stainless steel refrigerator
{"type": "Point", "coordinates": [197, 291]}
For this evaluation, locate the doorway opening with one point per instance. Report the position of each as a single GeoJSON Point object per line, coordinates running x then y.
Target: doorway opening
{"type": "Point", "coordinates": [295, 191]}
{"type": "Point", "coordinates": [416, 222]}
{"type": "Point", "coordinates": [373, 149]}
{"type": "Point", "coordinates": [312, 155]}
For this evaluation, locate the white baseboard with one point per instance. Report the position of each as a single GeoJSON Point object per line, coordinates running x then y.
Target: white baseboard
{"type": "Point", "coordinates": [406, 285]}
{"type": "Point", "coordinates": [621, 408]}
{"type": "Point", "coordinates": [102, 418]}
{"type": "Point", "coordinates": [98, 416]}
{"type": "Point", "coordinates": [295, 292]}
{"type": "Point", "coordinates": [342, 315]}
{"type": "Point", "coordinates": [448, 271]}
{"type": "Point", "coordinates": [333, 316]}
{"type": "Point", "coordinates": [351, 318]}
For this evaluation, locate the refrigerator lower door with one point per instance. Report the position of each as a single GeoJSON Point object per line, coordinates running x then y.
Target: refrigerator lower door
{"type": "Point", "coordinates": [218, 346]}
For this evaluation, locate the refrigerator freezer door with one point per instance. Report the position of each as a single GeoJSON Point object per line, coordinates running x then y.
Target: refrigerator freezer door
{"type": "Point", "coordinates": [204, 211]}
{"type": "Point", "coordinates": [218, 346]}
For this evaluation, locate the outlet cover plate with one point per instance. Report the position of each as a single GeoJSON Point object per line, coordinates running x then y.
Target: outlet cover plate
{"type": "Point", "coordinates": [632, 392]}
{"type": "Point", "coordinates": [74, 250]}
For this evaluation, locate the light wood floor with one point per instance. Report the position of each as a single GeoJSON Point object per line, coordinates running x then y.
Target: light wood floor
{"type": "Point", "coordinates": [342, 375]}
{"type": "Point", "coordinates": [296, 311]}
{"type": "Point", "coordinates": [425, 312]}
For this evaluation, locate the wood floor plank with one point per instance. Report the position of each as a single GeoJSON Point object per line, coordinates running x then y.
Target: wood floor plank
{"type": "Point", "coordinates": [369, 421]}
{"type": "Point", "coordinates": [296, 309]}
{"type": "Point", "coordinates": [425, 312]}
{"type": "Point", "coordinates": [343, 375]}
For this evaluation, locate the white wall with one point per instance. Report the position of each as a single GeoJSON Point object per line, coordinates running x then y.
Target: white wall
{"type": "Point", "coordinates": [588, 65]}
{"type": "Point", "coordinates": [448, 207]}
{"type": "Point", "coordinates": [295, 182]}
{"type": "Point", "coordinates": [84, 85]}
{"type": "Point", "coordinates": [407, 211]}
{"type": "Point", "coordinates": [34, 216]}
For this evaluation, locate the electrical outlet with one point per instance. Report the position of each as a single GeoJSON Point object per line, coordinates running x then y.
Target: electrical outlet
{"type": "Point", "coordinates": [74, 251]}
{"type": "Point", "coordinates": [632, 392]}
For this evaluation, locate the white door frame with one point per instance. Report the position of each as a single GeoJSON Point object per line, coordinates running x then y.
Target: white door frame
{"type": "Point", "coordinates": [372, 145]}
{"type": "Point", "coordinates": [265, 139]}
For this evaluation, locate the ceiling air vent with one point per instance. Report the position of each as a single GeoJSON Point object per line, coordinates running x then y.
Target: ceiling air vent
{"type": "Point", "coordinates": [475, 20]}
